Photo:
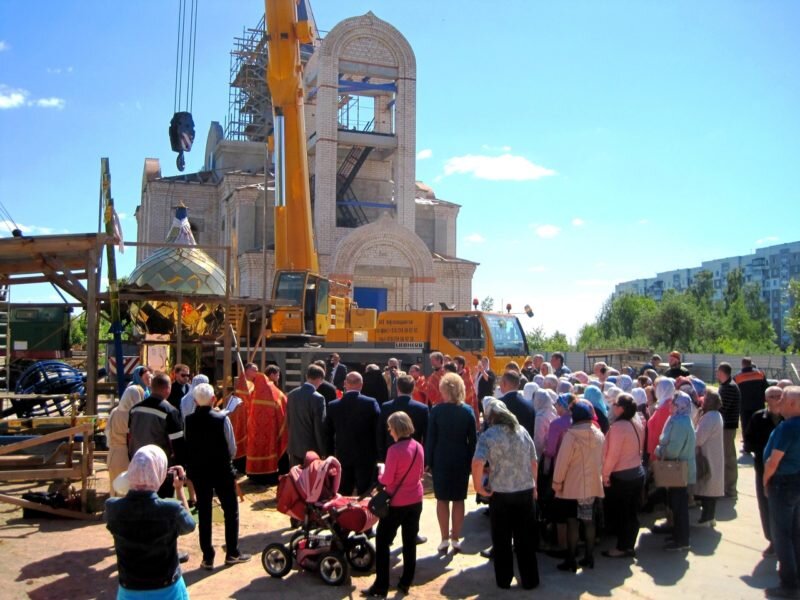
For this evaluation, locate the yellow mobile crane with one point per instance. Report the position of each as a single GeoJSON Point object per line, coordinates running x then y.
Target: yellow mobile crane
{"type": "Point", "coordinates": [303, 301]}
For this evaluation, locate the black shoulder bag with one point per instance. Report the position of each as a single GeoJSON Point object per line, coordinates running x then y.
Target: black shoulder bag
{"type": "Point", "coordinates": [379, 503]}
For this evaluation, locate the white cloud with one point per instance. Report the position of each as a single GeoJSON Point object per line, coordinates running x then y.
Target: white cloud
{"type": "Point", "coordinates": [58, 70]}
{"type": "Point", "coordinates": [767, 240]}
{"type": "Point", "coordinates": [537, 269]}
{"type": "Point", "coordinates": [578, 222]}
{"type": "Point", "coordinates": [11, 98]}
{"type": "Point", "coordinates": [423, 154]}
{"type": "Point", "coordinates": [475, 238]}
{"type": "Point", "coordinates": [122, 216]}
{"type": "Point", "coordinates": [49, 103]}
{"type": "Point", "coordinates": [489, 148]}
{"type": "Point", "coordinates": [546, 232]}
{"type": "Point", "coordinates": [644, 221]}
{"type": "Point", "coordinates": [4, 46]}
{"type": "Point", "coordinates": [6, 226]}
{"type": "Point", "coordinates": [16, 98]}
{"type": "Point", "coordinates": [506, 167]}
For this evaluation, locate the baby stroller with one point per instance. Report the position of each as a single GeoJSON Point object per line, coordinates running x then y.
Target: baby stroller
{"type": "Point", "coordinates": [331, 537]}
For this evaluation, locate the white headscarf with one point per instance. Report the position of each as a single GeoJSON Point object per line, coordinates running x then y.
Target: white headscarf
{"type": "Point", "coordinates": [187, 402]}
{"type": "Point", "coordinates": [148, 469]}
{"type": "Point", "coordinates": [551, 382]}
{"type": "Point", "coordinates": [529, 390]}
{"type": "Point", "coordinates": [544, 402]}
{"type": "Point", "coordinates": [132, 395]}
{"type": "Point", "coordinates": [639, 395]}
{"type": "Point", "coordinates": [625, 383]}
{"type": "Point", "coordinates": [665, 390]}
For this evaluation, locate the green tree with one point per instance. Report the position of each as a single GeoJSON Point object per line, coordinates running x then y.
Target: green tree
{"type": "Point", "coordinates": [487, 304]}
{"type": "Point", "coordinates": [733, 287]}
{"type": "Point", "coordinates": [702, 288]}
{"type": "Point", "coordinates": [674, 323]}
{"type": "Point", "coordinates": [793, 320]}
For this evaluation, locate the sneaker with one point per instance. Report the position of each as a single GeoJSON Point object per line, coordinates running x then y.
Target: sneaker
{"type": "Point", "coordinates": [782, 592]}
{"type": "Point", "coordinates": [183, 557]}
{"type": "Point", "coordinates": [707, 523]}
{"type": "Point", "coordinates": [239, 558]}
{"type": "Point", "coordinates": [456, 545]}
{"type": "Point", "coordinates": [421, 539]}
{"type": "Point", "coordinates": [676, 547]}
{"type": "Point", "coordinates": [207, 564]}
{"type": "Point", "coordinates": [487, 553]}
{"type": "Point", "coordinates": [769, 551]}
{"type": "Point", "coordinates": [443, 546]}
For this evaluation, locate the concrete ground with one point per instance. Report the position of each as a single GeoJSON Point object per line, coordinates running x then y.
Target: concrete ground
{"type": "Point", "coordinates": [55, 559]}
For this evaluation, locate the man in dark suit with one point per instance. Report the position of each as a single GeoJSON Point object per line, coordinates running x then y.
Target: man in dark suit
{"type": "Point", "coordinates": [416, 410]}
{"type": "Point", "coordinates": [515, 402]}
{"type": "Point", "coordinates": [350, 425]}
{"type": "Point", "coordinates": [305, 417]}
{"type": "Point", "coordinates": [336, 371]}
{"type": "Point", "coordinates": [181, 378]}
{"type": "Point", "coordinates": [326, 388]}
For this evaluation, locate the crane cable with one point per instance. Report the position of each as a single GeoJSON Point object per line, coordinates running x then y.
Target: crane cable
{"type": "Point", "coordinates": [185, 56]}
{"type": "Point", "coordinates": [9, 221]}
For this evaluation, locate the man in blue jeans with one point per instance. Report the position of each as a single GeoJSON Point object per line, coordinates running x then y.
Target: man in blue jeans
{"type": "Point", "coordinates": [782, 484]}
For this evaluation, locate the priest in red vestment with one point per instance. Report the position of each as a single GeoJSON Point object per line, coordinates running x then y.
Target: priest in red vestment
{"type": "Point", "coordinates": [267, 436]}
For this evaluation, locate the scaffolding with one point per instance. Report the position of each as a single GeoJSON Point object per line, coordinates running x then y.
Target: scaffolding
{"type": "Point", "coordinates": [249, 100]}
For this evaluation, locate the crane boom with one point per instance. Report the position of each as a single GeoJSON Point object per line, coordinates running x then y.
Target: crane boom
{"type": "Point", "coordinates": [294, 235]}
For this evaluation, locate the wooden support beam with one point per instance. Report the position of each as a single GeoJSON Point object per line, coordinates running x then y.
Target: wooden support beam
{"type": "Point", "coordinates": [63, 512]}
{"type": "Point", "coordinates": [74, 289]}
{"type": "Point", "coordinates": [86, 429]}
{"type": "Point", "coordinates": [41, 474]}
{"type": "Point", "coordinates": [92, 330]}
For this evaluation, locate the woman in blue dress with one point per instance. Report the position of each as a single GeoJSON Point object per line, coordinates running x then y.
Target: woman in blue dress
{"type": "Point", "coordinates": [449, 447]}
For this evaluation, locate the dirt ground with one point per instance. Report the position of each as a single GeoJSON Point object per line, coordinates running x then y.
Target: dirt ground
{"type": "Point", "coordinates": [64, 559]}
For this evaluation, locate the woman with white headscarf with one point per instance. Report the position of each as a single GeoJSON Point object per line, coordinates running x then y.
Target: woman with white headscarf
{"type": "Point", "coordinates": [187, 402]}
{"type": "Point", "coordinates": [544, 404]}
{"type": "Point", "coordinates": [117, 432]}
{"type": "Point", "coordinates": [625, 383]}
{"type": "Point", "coordinates": [529, 390]}
{"type": "Point", "coordinates": [146, 530]}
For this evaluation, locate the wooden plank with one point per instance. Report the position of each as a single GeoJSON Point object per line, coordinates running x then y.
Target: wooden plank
{"type": "Point", "coordinates": [63, 512]}
{"type": "Point", "coordinates": [85, 429]}
{"type": "Point", "coordinates": [31, 460]}
{"type": "Point", "coordinates": [40, 474]}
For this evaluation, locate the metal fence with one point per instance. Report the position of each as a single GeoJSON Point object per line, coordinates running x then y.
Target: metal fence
{"type": "Point", "coordinates": [704, 366]}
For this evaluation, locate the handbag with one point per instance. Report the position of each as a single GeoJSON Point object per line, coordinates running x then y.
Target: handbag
{"type": "Point", "coordinates": [671, 473]}
{"type": "Point", "coordinates": [379, 503]}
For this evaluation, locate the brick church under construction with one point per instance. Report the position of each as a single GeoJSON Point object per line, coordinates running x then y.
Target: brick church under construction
{"type": "Point", "coordinates": [374, 224]}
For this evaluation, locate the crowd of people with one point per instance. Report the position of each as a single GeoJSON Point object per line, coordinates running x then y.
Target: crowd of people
{"type": "Point", "coordinates": [560, 458]}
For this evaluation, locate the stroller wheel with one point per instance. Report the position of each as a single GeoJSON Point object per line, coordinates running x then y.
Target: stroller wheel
{"type": "Point", "coordinates": [361, 554]}
{"type": "Point", "coordinates": [333, 568]}
{"type": "Point", "coordinates": [276, 560]}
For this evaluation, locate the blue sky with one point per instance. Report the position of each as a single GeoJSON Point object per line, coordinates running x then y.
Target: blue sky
{"type": "Point", "coordinates": [588, 142]}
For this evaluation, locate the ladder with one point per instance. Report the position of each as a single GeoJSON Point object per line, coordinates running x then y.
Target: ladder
{"type": "Point", "coordinates": [5, 358]}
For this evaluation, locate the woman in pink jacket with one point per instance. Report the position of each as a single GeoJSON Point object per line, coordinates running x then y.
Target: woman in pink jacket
{"type": "Point", "coordinates": [623, 475]}
{"type": "Point", "coordinates": [578, 481]}
{"type": "Point", "coordinates": [402, 474]}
